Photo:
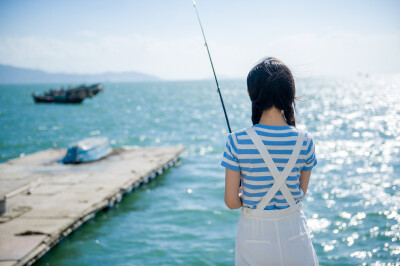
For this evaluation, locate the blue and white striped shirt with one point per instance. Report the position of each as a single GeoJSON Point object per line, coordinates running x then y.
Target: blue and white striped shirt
{"type": "Point", "coordinates": [242, 155]}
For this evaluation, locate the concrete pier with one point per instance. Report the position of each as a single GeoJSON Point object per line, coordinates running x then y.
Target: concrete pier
{"type": "Point", "coordinates": [45, 200]}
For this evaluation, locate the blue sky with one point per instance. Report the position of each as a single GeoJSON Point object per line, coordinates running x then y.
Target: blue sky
{"type": "Point", "coordinates": [163, 38]}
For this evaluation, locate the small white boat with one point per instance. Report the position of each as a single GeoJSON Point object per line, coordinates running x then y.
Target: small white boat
{"type": "Point", "coordinates": [87, 150]}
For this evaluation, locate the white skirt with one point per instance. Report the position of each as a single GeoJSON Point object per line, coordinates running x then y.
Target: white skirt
{"type": "Point", "coordinates": [275, 237]}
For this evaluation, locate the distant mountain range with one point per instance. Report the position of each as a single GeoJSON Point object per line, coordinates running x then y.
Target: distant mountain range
{"type": "Point", "coordinates": [14, 75]}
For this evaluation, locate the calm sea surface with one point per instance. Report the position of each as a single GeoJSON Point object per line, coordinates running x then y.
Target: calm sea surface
{"type": "Point", "coordinates": [180, 218]}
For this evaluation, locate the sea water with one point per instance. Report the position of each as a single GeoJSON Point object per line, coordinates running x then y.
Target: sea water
{"type": "Point", "coordinates": [180, 218]}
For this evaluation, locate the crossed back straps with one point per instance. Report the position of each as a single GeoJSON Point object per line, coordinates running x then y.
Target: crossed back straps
{"type": "Point", "coordinates": [279, 177]}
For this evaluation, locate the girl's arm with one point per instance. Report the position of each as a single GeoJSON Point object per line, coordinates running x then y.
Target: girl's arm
{"type": "Point", "coordinates": [304, 179]}
{"type": "Point", "coordinates": [232, 186]}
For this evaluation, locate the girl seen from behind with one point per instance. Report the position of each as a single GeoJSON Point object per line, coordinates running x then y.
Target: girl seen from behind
{"type": "Point", "coordinates": [268, 167]}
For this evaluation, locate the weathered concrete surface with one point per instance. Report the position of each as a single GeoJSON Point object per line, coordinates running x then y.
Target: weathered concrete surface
{"type": "Point", "coordinates": [47, 200]}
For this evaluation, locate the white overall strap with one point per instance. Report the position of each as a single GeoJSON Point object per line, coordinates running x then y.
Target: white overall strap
{"type": "Point", "coordinates": [280, 177]}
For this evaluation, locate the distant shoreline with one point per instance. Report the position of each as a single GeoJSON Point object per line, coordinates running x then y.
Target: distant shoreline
{"type": "Point", "coordinates": [17, 75]}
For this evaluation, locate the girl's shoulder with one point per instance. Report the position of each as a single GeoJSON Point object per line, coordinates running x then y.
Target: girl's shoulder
{"type": "Point", "coordinates": [307, 134]}
{"type": "Point", "coordinates": [238, 132]}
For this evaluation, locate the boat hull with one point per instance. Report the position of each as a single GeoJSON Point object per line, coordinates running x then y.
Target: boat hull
{"type": "Point", "coordinates": [49, 99]}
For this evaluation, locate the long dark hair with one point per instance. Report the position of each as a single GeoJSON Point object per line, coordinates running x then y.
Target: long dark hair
{"type": "Point", "coordinates": [270, 83]}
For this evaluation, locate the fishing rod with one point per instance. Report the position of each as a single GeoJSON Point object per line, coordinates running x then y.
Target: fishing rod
{"type": "Point", "coordinates": [212, 66]}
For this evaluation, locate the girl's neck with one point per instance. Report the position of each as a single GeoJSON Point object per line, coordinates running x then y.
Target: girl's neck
{"type": "Point", "coordinates": [273, 117]}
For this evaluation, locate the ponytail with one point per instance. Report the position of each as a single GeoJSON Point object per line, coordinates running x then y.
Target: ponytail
{"type": "Point", "coordinates": [255, 113]}
{"type": "Point", "coordinates": [289, 116]}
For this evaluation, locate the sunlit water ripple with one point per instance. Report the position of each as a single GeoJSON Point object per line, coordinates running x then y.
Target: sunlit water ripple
{"type": "Point", "coordinates": [180, 218]}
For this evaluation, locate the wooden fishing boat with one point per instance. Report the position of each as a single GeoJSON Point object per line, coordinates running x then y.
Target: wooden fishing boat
{"type": "Point", "coordinates": [87, 150]}
{"type": "Point", "coordinates": [72, 95]}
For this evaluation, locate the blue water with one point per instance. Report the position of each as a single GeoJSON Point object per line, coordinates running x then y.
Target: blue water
{"type": "Point", "coordinates": [353, 200]}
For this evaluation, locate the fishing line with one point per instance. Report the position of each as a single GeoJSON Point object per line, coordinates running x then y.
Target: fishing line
{"type": "Point", "coordinates": [212, 66]}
